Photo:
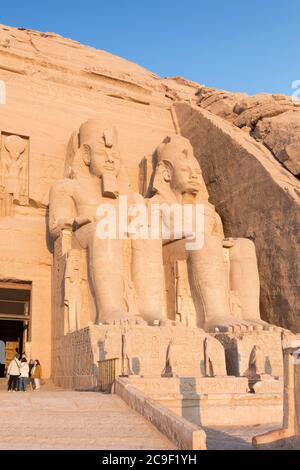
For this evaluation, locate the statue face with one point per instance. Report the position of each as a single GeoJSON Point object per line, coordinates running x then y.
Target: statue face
{"type": "Point", "coordinates": [186, 175]}
{"type": "Point", "coordinates": [104, 159]}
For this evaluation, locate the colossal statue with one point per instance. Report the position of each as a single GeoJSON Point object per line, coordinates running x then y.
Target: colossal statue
{"type": "Point", "coordinates": [224, 301]}
{"type": "Point", "coordinates": [94, 178]}
{"type": "Point", "coordinates": [116, 280]}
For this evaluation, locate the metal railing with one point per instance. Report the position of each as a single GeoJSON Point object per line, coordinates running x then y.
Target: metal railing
{"type": "Point", "coordinates": [107, 373]}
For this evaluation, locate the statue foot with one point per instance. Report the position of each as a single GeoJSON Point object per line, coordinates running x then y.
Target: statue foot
{"type": "Point", "coordinates": [227, 324]}
{"type": "Point", "coordinates": [124, 318]}
{"type": "Point", "coordinates": [168, 322]}
{"type": "Point", "coordinates": [259, 325]}
{"type": "Point", "coordinates": [130, 320]}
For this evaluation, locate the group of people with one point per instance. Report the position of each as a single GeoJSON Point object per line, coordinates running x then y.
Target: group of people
{"type": "Point", "coordinates": [22, 373]}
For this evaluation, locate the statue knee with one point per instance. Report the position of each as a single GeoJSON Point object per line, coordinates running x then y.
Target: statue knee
{"type": "Point", "coordinates": [243, 248]}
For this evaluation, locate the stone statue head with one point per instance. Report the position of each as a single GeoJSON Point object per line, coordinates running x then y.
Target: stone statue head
{"type": "Point", "coordinates": [94, 151]}
{"type": "Point", "coordinates": [98, 145]}
{"type": "Point", "coordinates": [177, 167]}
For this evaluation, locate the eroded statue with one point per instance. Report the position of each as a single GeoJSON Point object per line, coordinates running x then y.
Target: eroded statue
{"type": "Point", "coordinates": [224, 301]}
{"type": "Point", "coordinates": [94, 177]}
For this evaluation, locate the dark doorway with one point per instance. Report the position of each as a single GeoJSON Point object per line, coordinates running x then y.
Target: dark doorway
{"type": "Point", "coordinates": [14, 321]}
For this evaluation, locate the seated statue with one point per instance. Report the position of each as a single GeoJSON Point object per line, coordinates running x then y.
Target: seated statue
{"type": "Point", "coordinates": [223, 301]}
{"type": "Point", "coordinates": [94, 177]}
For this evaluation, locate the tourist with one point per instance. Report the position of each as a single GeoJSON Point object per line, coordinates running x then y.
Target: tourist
{"type": "Point", "coordinates": [2, 358]}
{"type": "Point", "coordinates": [24, 374]}
{"type": "Point", "coordinates": [31, 371]}
{"type": "Point", "coordinates": [13, 371]}
{"type": "Point", "coordinates": [37, 375]}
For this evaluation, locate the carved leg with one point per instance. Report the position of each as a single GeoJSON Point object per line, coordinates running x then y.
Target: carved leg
{"type": "Point", "coordinates": [209, 287]}
{"type": "Point", "coordinates": [105, 261]}
{"type": "Point", "coordinates": [107, 272]}
{"type": "Point", "coordinates": [147, 276]}
{"type": "Point", "coordinates": [244, 279]}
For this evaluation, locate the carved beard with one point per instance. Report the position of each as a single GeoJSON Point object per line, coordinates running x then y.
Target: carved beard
{"type": "Point", "coordinates": [110, 186]}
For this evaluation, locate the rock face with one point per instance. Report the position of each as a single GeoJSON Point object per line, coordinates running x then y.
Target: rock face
{"type": "Point", "coordinates": [257, 199]}
{"type": "Point", "coordinates": [281, 134]}
{"type": "Point", "coordinates": [273, 120]}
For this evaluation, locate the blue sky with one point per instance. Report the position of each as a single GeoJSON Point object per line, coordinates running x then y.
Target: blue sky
{"type": "Point", "coordinates": [234, 45]}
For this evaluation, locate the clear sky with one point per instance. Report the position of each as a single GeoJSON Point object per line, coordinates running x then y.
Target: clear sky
{"type": "Point", "coordinates": [237, 45]}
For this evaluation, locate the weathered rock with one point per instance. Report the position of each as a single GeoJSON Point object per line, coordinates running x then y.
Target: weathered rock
{"type": "Point", "coordinates": [271, 119]}
{"type": "Point", "coordinates": [256, 198]}
{"type": "Point", "coordinates": [251, 116]}
{"type": "Point", "coordinates": [179, 88]}
{"type": "Point", "coordinates": [281, 134]}
{"type": "Point", "coordinates": [220, 102]}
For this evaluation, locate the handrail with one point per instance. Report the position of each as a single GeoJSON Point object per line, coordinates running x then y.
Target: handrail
{"type": "Point", "coordinates": [107, 373]}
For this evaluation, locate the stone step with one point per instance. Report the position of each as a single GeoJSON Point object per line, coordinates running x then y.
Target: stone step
{"type": "Point", "coordinates": [214, 401]}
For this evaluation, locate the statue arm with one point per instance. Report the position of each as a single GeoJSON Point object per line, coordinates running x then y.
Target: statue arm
{"type": "Point", "coordinates": [61, 207]}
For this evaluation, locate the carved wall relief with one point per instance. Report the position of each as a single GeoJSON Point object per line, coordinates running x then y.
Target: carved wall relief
{"type": "Point", "coordinates": [14, 158]}
{"type": "Point", "coordinates": [185, 309]}
{"type": "Point", "coordinates": [75, 278]}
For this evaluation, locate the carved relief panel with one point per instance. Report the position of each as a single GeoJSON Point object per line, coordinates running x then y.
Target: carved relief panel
{"type": "Point", "coordinates": [75, 289]}
{"type": "Point", "coordinates": [14, 167]}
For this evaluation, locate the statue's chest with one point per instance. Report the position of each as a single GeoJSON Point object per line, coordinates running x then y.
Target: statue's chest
{"type": "Point", "coordinates": [92, 199]}
{"type": "Point", "coordinates": [88, 196]}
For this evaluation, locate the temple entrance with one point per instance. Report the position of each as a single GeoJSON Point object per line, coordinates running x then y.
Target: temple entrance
{"type": "Point", "coordinates": [14, 320]}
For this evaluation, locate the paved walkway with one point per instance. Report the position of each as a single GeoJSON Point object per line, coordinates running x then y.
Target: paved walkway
{"type": "Point", "coordinates": [58, 419]}
{"type": "Point", "coordinates": [73, 420]}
